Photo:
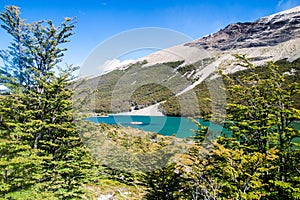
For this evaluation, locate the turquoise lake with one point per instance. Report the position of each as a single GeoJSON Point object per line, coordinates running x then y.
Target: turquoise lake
{"type": "Point", "coordinates": [180, 126]}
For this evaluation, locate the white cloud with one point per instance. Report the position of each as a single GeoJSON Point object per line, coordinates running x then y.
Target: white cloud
{"type": "Point", "coordinates": [114, 64]}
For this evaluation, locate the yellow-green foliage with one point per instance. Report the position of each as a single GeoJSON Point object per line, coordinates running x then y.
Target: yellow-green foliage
{"type": "Point", "coordinates": [259, 159]}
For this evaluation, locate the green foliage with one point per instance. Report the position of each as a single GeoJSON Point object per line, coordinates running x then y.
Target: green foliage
{"type": "Point", "coordinates": [165, 183]}
{"type": "Point", "coordinates": [149, 94]}
{"type": "Point", "coordinates": [259, 159]}
{"type": "Point", "coordinates": [172, 106]}
{"type": "Point", "coordinates": [125, 153]}
{"type": "Point", "coordinates": [229, 173]}
{"type": "Point", "coordinates": [18, 161]}
{"type": "Point", "coordinates": [40, 146]}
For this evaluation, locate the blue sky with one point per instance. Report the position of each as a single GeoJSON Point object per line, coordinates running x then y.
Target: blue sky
{"type": "Point", "coordinates": [98, 20]}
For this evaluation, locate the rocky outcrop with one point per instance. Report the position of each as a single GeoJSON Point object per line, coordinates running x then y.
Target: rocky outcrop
{"type": "Point", "coordinates": [267, 31]}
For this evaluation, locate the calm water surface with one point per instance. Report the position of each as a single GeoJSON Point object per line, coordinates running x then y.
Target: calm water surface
{"type": "Point", "coordinates": [182, 127]}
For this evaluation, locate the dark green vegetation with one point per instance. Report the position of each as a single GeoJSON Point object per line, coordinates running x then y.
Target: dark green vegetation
{"type": "Point", "coordinates": [43, 157]}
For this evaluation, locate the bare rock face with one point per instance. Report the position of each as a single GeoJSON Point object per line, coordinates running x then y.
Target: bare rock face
{"type": "Point", "coordinates": [267, 31]}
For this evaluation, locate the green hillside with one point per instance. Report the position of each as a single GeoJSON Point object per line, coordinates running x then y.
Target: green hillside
{"type": "Point", "coordinates": [106, 85]}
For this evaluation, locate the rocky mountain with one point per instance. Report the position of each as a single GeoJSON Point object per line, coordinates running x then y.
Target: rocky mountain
{"type": "Point", "coordinates": [267, 31]}
{"type": "Point", "coordinates": [273, 37]}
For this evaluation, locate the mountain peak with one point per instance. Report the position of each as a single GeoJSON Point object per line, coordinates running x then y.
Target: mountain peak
{"type": "Point", "coordinates": [287, 12]}
{"type": "Point", "coordinates": [267, 31]}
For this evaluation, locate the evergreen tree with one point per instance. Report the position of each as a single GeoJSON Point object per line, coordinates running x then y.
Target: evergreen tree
{"type": "Point", "coordinates": [19, 161]}
{"type": "Point", "coordinates": [42, 121]}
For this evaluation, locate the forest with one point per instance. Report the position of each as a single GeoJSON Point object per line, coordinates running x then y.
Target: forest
{"type": "Point", "coordinates": [44, 155]}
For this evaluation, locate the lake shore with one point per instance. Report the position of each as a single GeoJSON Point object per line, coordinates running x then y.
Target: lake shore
{"type": "Point", "coordinates": [147, 111]}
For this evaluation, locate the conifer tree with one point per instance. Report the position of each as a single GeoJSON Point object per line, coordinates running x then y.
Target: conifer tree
{"type": "Point", "coordinates": [44, 129]}
{"type": "Point", "coordinates": [19, 161]}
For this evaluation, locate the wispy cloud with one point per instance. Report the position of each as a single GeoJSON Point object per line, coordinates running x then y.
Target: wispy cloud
{"type": "Point", "coordinates": [287, 4]}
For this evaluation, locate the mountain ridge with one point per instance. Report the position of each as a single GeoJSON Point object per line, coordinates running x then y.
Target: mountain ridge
{"type": "Point", "coordinates": [270, 30]}
{"type": "Point", "coordinates": [269, 38]}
